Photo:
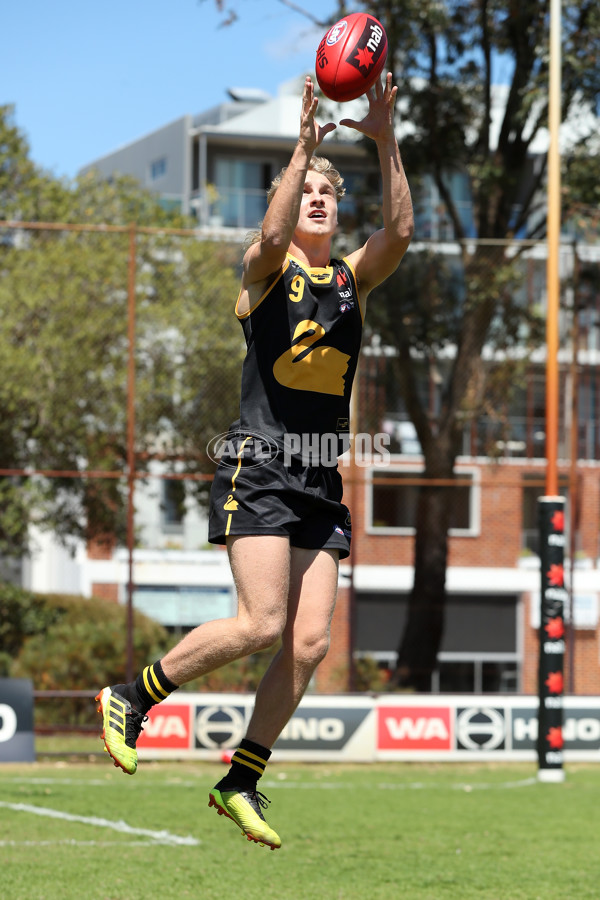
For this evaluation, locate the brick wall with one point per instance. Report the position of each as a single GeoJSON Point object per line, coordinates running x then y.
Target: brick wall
{"type": "Point", "coordinates": [588, 496]}
{"type": "Point", "coordinates": [106, 591]}
{"type": "Point", "coordinates": [498, 544]}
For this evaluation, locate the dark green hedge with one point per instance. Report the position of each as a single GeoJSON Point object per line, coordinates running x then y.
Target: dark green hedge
{"type": "Point", "coordinates": [71, 643]}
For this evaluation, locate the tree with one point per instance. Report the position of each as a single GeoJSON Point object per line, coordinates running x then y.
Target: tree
{"type": "Point", "coordinates": [64, 333]}
{"type": "Point", "coordinates": [445, 57]}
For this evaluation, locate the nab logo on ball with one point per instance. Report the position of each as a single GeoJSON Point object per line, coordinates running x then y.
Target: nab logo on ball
{"type": "Point", "coordinates": [368, 49]}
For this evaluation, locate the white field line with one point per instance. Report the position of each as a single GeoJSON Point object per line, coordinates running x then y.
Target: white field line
{"type": "Point", "coordinates": [394, 786]}
{"type": "Point", "coordinates": [76, 843]}
{"type": "Point", "coordinates": [280, 782]}
{"type": "Point", "coordinates": [157, 837]}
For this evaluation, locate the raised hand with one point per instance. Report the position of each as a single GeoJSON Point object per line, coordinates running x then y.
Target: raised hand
{"type": "Point", "coordinates": [379, 120]}
{"type": "Point", "coordinates": [311, 133]}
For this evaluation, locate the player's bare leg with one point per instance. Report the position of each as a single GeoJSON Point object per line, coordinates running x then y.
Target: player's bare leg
{"type": "Point", "coordinates": [261, 571]}
{"type": "Point", "coordinates": [259, 622]}
{"type": "Point", "coordinates": [305, 640]}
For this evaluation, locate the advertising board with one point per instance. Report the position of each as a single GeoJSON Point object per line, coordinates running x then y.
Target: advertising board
{"type": "Point", "coordinates": [16, 720]}
{"type": "Point", "coordinates": [366, 728]}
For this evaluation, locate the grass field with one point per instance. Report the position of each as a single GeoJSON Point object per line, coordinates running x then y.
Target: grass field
{"type": "Point", "coordinates": [82, 829]}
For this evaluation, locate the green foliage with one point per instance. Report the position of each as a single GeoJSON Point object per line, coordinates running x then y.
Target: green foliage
{"type": "Point", "coordinates": [581, 189]}
{"type": "Point", "coordinates": [71, 643]}
{"type": "Point", "coordinates": [65, 333]}
{"type": "Point", "coordinates": [369, 676]}
{"type": "Point", "coordinates": [473, 89]}
{"type": "Point", "coordinates": [22, 615]}
{"type": "Point", "coordinates": [66, 642]}
{"type": "Point", "coordinates": [26, 192]}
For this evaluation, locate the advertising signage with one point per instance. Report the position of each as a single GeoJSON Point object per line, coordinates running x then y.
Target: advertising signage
{"type": "Point", "coordinates": [16, 720]}
{"type": "Point", "coordinates": [356, 728]}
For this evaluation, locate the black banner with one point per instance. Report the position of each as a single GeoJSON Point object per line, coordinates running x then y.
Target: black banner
{"type": "Point", "coordinates": [16, 720]}
{"type": "Point", "coordinates": [552, 643]}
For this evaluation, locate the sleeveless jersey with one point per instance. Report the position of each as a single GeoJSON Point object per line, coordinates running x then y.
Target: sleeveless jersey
{"type": "Point", "coordinates": [303, 338]}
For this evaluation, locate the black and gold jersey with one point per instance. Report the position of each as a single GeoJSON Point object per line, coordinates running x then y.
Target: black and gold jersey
{"type": "Point", "coordinates": [303, 338]}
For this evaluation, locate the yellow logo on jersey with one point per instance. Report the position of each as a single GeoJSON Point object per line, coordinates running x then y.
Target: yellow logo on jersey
{"type": "Point", "coordinates": [304, 368]}
{"type": "Point", "coordinates": [231, 504]}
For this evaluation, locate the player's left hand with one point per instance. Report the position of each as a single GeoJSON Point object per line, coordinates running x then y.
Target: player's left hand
{"type": "Point", "coordinates": [379, 120]}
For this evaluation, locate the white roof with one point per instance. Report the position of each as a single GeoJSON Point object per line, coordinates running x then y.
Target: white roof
{"type": "Point", "coordinates": [279, 117]}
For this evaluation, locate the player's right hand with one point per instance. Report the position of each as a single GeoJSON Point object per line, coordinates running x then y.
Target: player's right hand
{"type": "Point", "coordinates": [311, 133]}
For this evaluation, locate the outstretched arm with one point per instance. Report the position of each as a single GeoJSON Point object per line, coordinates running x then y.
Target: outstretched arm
{"type": "Point", "coordinates": [268, 254]}
{"type": "Point", "coordinates": [382, 252]}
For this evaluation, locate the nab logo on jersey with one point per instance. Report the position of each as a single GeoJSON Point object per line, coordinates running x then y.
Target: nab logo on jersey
{"type": "Point", "coordinates": [345, 291]}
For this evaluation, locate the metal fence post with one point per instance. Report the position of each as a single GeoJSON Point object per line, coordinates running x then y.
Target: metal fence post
{"type": "Point", "coordinates": [131, 279]}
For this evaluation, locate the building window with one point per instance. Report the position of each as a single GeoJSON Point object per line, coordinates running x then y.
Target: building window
{"type": "Point", "coordinates": [158, 168]}
{"type": "Point", "coordinates": [172, 505]}
{"type": "Point", "coordinates": [241, 187]}
{"type": "Point", "coordinates": [184, 606]}
{"type": "Point", "coordinates": [394, 495]}
{"type": "Point", "coordinates": [431, 217]}
{"type": "Point", "coordinates": [475, 675]}
{"type": "Point", "coordinates": [478, 653]}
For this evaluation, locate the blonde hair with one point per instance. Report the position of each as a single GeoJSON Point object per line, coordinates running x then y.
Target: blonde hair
{"type": "Point", "coordinates": [317, 164]}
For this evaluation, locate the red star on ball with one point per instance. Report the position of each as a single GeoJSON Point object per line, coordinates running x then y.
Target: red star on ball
{"type": "Point", "coordinates": [558, 521]}
{"type": "Point", "coordinates": [556, 575]}
{"type": "Point", "coordinates": [364, 58]}
{"type": "Point", "coordinates": [555, 628]}
{"type": "Point", "coordinates": [554, 682]}
{"type": "Point", "coordinates": [555, 738]}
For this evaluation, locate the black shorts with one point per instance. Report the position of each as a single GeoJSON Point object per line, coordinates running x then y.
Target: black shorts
{"type": "Point", "coordinates": [292, 499]}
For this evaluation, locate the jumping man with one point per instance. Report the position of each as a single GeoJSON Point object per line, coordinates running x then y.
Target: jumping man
{"type": "Point", "coordinates": [283, 522]}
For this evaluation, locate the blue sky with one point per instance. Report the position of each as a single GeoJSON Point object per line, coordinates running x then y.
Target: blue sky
{"type": "Point", "coordinates": [87, 77]}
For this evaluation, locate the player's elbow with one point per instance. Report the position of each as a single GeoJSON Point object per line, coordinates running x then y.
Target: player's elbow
{"type": "Point", "coordinates": [406, 228]}
{"type": "Point", "coordinates": [400, 238]}
{"type": "Point", "coordinates": [273, 252]}
{"type": "Point", "coordinates": [274, 240]}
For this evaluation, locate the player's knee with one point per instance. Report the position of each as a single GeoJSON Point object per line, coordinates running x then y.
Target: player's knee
{"type": "Point", "coordinates": [312, 649]}
{"type": "Point", "coordinates": [268, 636]}
{"type": "Point", "coordinates": [264, 632]}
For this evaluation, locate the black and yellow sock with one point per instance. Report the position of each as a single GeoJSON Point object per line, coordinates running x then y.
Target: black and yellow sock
{"type": "Point", "coordinates": [247, 765]}
{"type": "Point", "coordinates": [152, 686]}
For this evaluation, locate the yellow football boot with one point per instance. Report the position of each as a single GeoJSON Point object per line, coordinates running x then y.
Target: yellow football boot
{"type": "Point", "coordinates": [244, 807]}
{"type": "Point", "coordinates": [122, 725]}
